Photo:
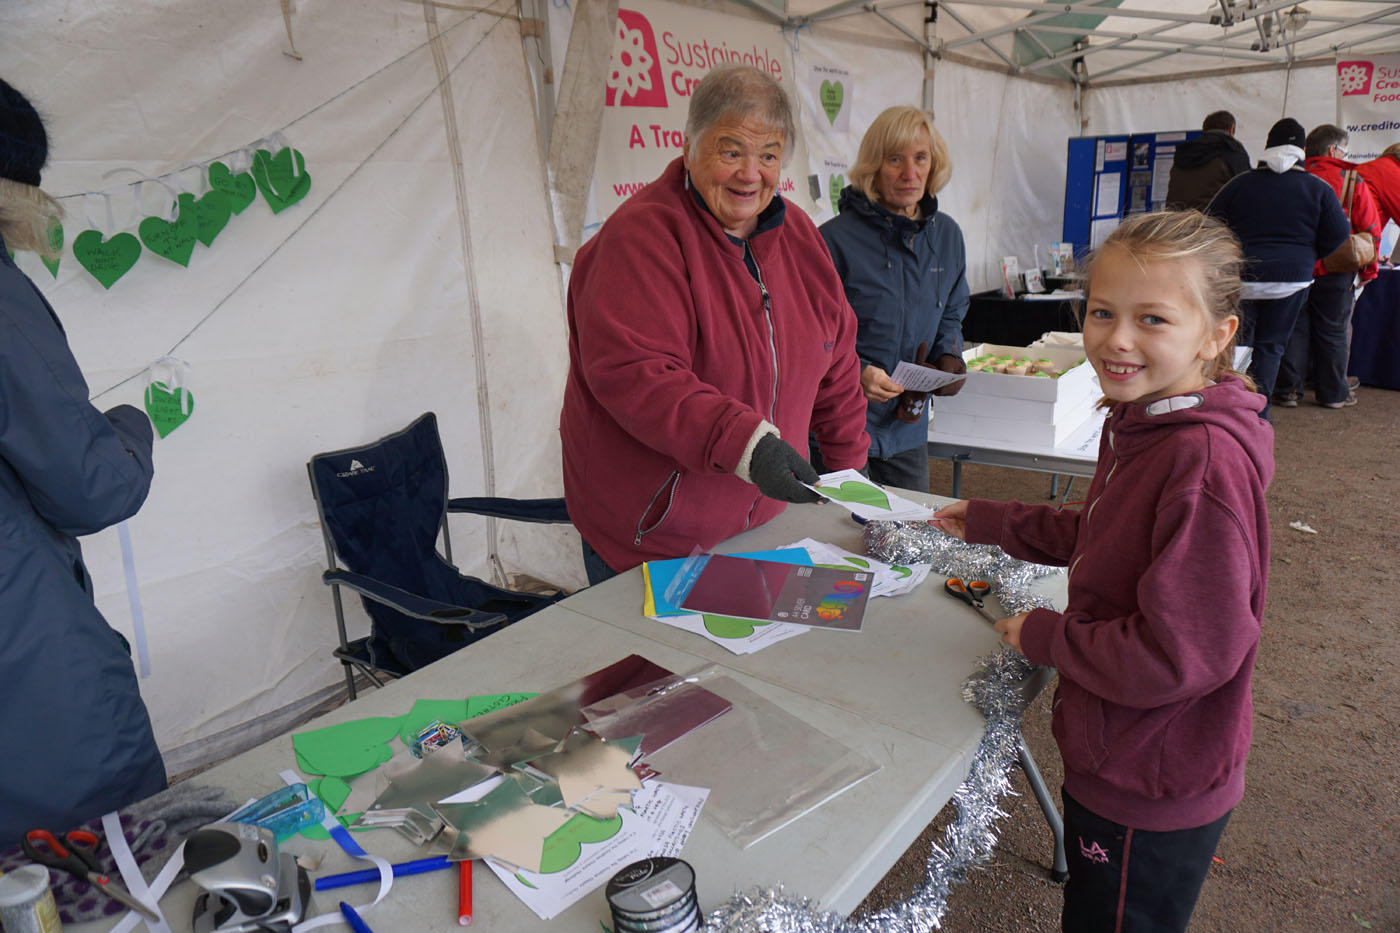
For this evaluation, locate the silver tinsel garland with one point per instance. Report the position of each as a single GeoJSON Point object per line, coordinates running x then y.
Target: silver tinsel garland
{"type": "Point", "coordinates": [995, 690]}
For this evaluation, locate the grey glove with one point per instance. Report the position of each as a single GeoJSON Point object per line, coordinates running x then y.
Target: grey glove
{"type": "Point", "coordinates": [776, 470]}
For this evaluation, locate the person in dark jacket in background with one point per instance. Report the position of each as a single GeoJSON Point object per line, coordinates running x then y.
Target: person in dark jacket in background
{"type": "Point", "coordinates": [904, 268]}
{"type": "Point", "coordinates": [71, 715]}
{"type": "Point", "coordinates": [1201, 167]}
{"type": "Point", "coordinates": [1286, 221]}
{"type": "Point", "coordinates": [1323, 329]}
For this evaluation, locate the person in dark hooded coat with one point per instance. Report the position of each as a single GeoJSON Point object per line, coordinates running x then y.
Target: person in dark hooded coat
{"type": "Point", "coordinates": [78, 738]}
{"type": "Point", "coordinates": [1201, 167]}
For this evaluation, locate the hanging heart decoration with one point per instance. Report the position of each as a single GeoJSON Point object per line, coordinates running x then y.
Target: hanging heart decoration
{"type": "Point", "coordinates": [282, 184]}
{"type": "Point", "coordinates": [56, 245]}
{"type": "Point", "coordinates": [172, 239]}
{"type": "Point", "coordinates": [211, 214]}
{"type": "Point", "coordinates": [107, 260]}
{"type": "Point", "coordinates": [240, 188]}
{"type": "Point", "coordinates": [169, 402]}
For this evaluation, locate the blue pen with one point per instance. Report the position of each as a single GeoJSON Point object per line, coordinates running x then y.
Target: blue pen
{"type": "Point", "coordinates": [352, 918]}
{"type": "Point", "coordinates": [364, 876]}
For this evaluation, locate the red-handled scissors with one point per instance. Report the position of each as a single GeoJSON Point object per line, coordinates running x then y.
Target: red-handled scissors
{"type": "Point", "coordinates": [972, 592]}
{"type": "Point", "coordinates": [77, 855]}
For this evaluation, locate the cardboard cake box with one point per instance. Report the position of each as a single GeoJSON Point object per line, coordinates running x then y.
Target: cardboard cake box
{"type": "Point", "coordinates": [1029, 409]}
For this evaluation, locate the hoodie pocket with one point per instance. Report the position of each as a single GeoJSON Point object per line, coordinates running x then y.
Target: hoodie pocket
{"type": "Point", "coordinates": [658, 507]}
{"type": "Point", "coordinates": [1079, 728]}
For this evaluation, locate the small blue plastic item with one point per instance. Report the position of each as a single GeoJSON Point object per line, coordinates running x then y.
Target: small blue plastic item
{"type": "Point", "coordinates": [284, 812]}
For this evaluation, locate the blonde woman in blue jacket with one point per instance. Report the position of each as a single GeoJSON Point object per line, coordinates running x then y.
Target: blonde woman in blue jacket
{"type": "Point", "coordinates": [904, 268]}
{"type": "Point", "coordinates": [71, 712]}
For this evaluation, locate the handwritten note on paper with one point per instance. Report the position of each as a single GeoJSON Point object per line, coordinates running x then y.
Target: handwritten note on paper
{"type": "Point", "coordinates": [917, 378]}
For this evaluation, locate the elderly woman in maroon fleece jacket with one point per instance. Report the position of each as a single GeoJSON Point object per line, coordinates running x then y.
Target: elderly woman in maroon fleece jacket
{"type": "Point", "coordinates": [708, 334]}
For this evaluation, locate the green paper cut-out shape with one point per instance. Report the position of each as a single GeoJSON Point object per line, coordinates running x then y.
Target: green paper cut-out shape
{"type": "Point", "coordinates": [348, 748]}
{"type": "Point", "coordinates": [859, 562]}
{"type": "Point", "coordinates": [173, 240]}
{"type": "Point", "coordinates": [490, 702]}
{"type": "Point", "coordinates": [833, 190]}
{"type": "Point", "coordinates": [281, 184]}
{"type": "Point", "coordinates": [425, 711]}
{"type": "Point", "coordinates": [107, 260]}
{"type": "Point", "coordinates": [832, 94]}
{"type": "Point", "coordinates": [211, 214]}
{"type": "Point", "coordinates": [55, 244]}
{"type": "Point", "coordinates": [163, 407]}
{"type": "Point", "coordinates": [333, 793]}
{"type": "Point", "coordinates": [902, 571]}
{"type": "Point", "coordinates": [730, 627]}
{"type": "Point", "coordinates": [563, 847]}
{"type": "Point", "coordinates": [862, 493]}
{"type": "Point", "coordinates": [240, 188]}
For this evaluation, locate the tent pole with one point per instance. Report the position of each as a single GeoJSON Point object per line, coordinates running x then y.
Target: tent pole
{"type": "Point", "coordinates": [930, 59]}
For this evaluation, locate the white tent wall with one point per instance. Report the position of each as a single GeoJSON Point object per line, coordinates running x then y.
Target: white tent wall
{"type": "Point", "coordinates": [381, 295]}
{"type": "Point", "coordinates": [1258, 99]}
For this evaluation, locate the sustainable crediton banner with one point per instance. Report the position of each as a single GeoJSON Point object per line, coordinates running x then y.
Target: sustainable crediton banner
{"type": "Point", "coordinates": [1368, 103]}
{"type": "Point", "coordinates": [660, 52]}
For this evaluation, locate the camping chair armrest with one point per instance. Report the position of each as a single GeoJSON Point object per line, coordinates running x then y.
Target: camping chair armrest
{"type": "Point", "coordinates": [417, 607]}
{"type": "Point", "coordinates": [549, 511]}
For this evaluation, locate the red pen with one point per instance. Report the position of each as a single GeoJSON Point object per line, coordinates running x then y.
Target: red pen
{"type": "Point", "coordinates": [464, 893]}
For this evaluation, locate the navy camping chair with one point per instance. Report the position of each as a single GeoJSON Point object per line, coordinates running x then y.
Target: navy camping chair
{"type": "Point", "coordinates": [382, 507]}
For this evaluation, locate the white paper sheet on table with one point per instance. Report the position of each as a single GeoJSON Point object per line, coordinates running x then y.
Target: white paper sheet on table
{"type": "Point", "coordinates": [850, 490]}
{"type": "Point", "coordinates": [917, 378]}
{"type": "Point", "coordinates": [760, 635]}
{"type": "Point", "coordinates": [890, 579]}
{"type": "Point", "coordinates": [660, 822]}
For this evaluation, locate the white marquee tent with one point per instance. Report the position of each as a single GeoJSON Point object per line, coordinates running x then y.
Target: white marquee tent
{"type": "Point", "coordinates": [450, 147]}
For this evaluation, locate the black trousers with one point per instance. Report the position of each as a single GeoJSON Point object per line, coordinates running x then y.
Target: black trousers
{"type": "Point", "coordinates": [1125, 880]}
{"type": "Point", "coordinates": [1322, 334]}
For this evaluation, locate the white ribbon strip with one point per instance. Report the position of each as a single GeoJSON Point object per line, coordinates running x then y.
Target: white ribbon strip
{"type": "Point", "coordinates": [134, 881]}
{"type": "Point", "coordinates": [133, 599]}
{"type": "Point", "coordinates": [347, 842]}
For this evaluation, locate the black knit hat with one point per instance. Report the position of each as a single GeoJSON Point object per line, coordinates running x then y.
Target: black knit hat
{"type": "Point", "coordinates": [1286, 132]}
{"type": "Point", "coordinates": [24, 146]}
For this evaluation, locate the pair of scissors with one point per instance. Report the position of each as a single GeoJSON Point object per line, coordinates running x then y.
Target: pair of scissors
{"type": "Point", "coordinates": [972, 592]}
{"type": "Point", "coordinates": [77, 855]}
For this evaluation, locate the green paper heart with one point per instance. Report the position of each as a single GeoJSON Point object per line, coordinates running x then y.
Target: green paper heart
{"type": "Point", "coordinates": [832, 94]}
{"type": "Point", "coordinates": [281, 184]}
{"type": "Point", "coordinates": [863, 493]}
{"type": "Point", "coordinates": [563, 847]}
{"type": "Point", "coordinates": [55, 244]}
{"type": "Point", "coordinates": [211, 214]}
{"type": "Point", "coordinates": [240, 188]}
{"type": "Point", "coordinates": [107, 260]}
{"type": "Point", "coordinates": [173, 240]}
{"type": "Point", "coordinates": [833, 187]}
{"type": "Point", "coordinates": [164, 407]}
{"type": "Point", "coordinates": [730, 627]}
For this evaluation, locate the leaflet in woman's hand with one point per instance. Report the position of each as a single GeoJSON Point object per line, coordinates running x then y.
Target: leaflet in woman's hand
{"type": "Point", "coordinates": [917, 378]}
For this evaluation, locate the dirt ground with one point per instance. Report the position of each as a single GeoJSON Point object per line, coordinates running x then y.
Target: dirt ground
{"type": "Point", "coordinates": [1315, 844]}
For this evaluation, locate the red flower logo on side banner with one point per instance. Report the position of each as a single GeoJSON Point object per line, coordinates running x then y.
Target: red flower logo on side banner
{"type": "Point", "coordinates": [634, 80]}
{"type": "Point", "coordinates": [1354, 77]}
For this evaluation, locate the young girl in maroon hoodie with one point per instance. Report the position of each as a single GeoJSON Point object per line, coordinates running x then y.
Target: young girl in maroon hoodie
{"type": "Point", "coordinates": [1167, 570]}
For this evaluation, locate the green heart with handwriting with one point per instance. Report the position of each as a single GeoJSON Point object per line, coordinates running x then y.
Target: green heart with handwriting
{"type": "Point", "coordinates": [55, 244]}
{"type": "Point", "coordinates": [211, 214]}
{"type": "Point", "coordinates": [107, 260]}
{"type": "Point", "coordinates": [172, 239]}
{"type": "Point", "coordinates": [730, 627]}
{"type": "Point", "coordinates": [281, 184]}
{"type": "Point", "coordinates": [833, 187]}
{"type": "Point", "coordinates": [240, 188]}
{"type": "Point", "coordinates": [163, 406]}
{"type": "Point", "coordinates": [832, 94]}
{"type": "Point", "coordinates": [861, 493]}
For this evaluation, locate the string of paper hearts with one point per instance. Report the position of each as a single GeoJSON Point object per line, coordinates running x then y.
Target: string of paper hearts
{"type": "Point", "coordinates": [186, 217]}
